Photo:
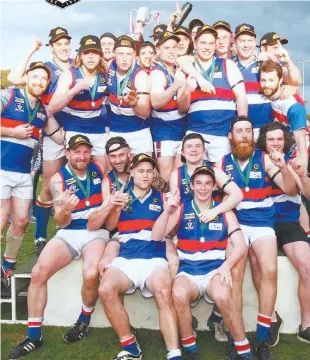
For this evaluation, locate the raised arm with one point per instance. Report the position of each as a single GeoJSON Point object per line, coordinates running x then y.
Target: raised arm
{"type": "Point", "coordinates": [142, 107]}
{"type": "Point", "coordinates": [301, 176]}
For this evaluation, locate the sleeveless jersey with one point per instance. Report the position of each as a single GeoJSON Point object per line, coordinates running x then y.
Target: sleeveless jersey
{"type": "Point", "coordinates": [259, 107]}
{"type": "Point", "coordinates": [135, 228]}
{"type": "Point", "coordinates": [115, 184]}
{"type": "Point", "coordinates": [184, 182]}
{"type": "Point", "coordinates": [16, 153]}
{"type": "Point", "coordinates": [256, 209]}
{"type": "Point", "coordinates": [196, 257]}
{"type": "Point", "coordinates": [80, 115]}
{"type": "Point", "coordinates": [79, 216]}
{"type": "Point", "coordinates": [123, 119]}
{"type": "Point", "coordinates": [212, 113]}
{"type": "Point", "coordinates": [168, 123]}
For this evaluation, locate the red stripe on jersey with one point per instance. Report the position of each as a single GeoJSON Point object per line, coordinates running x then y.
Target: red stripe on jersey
{"type": "Point", "coordinates": [252, 86]}
{"type": "Point", "coordinates": [114, 100]}
{"type": "Point", "coordinates": [134, 225]}
{"type": "Point", "coordinates": [46, 98]}
{"type": "Point", "coordinates": [257, 194]}
{"type": "Point", "coordinates": [196, 245]}
{"type": "Point", "coordinates": [171, 105]}
{"type": "Point", "coordinates": [220, 93]}
{"type": "Point", "coordinates": [277, 192]}
{"type": "Point", "coordinates": [11, 123]}
{"type": "Point", "coordinates": [264, 320]}
{"type": "Point", "coordinates": [279, 117]}
{"type": "Point", "coordinates": [94, 200]}
{"type": "Point", "coordinates": [86, 105]}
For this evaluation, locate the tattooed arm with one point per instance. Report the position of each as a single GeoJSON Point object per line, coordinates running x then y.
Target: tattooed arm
{"type": "Point", "coordinates": [159, 183]}
{"type": "Point", "coordinates": [63, 201]}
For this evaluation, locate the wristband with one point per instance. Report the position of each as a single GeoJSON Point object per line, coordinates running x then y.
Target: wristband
{"type": "Point", "coordinates": [53, 132]}
{"type": "Point", "coordinates": [232, 232]}
{"type": "Point", "coordinates": [237, 83]}
{"type": "Point", "coordinates": [227, 182]}
{"type": "Point", "coordinates": [143, 93]}
{"type": "Point", "coordinates": [274, 175]}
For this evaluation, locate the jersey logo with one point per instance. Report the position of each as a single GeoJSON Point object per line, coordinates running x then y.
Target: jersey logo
{"type": "Point", "coordinates": [218, 75]}
{"type": "Point", "coordinates": [254, 70]}
{"type": "Point", "coordinates": [189, 216]}
{"type": "Point", "coordinates": [19, 100]}
{"type": "Point", "coordinates": [189, 225]}
{"type": "Point", "coordinates": [215, 226]}
{"type": "Point", "coordinates": [41, 116]}
{"type": "Point", "coordinates": [73, 188]}
{"type": "Point", "coordinates": [19, 107]}
{"type": "Point", "coordinates": [154, 207]}
{"type": "Point", "coordinates": [70, 181]}
{"type": "Point", "coordinates": [101, 88]}
{"type": "Point", "coordinates": [97, 181]}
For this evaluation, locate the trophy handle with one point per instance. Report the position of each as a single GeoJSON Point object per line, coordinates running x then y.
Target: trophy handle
{"type": "Point", "coordinates": [131, 22]}
{"type": "Point", "coordinates": [156, 16]}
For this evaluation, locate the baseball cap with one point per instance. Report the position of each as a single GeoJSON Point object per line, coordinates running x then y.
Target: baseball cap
{"type": "Point", "coordinates": [203, 170]}
{"type": "Point", "coordinates": [272, 38]}
{"type": "Point", "coordinates": [161, 28]}
{"type": "Point", "coordinates": [238, 119]}
{"type": "Point", "coordinates": [205, 29]}
{"type": "Point", "coordinates": [182, 30]}
{"type": "Point", "coordinates": [117, 140]}
{"type": "Point", "coordinates": [39, 65]}
{"type": "Point", "coordinates": [162, 37]}
{"type": "Point", "coordinates": [124, 41]}
{"type": "Point", "coordinates": [58, 33]}
{"type": "Point", "coordinates": [137, 159]}
{"type": "Point", "coordinates": [193, 23]}
{"type": "Point", "coordinates": [222, 25]}
{"type": "Point", "coordinates": [77, 140]}
{"type": "Point", "coordinates": [108, 35]}
{"type": "Point", "coordinates": [244, 29]}
{"type": "Point", "coordinates": [90, 42]}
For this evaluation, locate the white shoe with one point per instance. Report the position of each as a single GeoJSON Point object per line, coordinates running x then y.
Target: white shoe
{"type": "Point", "coordinates": [125, 355]}
{"type": "Point", "coordinates": [219, 332]}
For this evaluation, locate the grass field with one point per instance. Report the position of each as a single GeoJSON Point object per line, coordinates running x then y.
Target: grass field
{"type": "Point", "coordinates": [102, 344]}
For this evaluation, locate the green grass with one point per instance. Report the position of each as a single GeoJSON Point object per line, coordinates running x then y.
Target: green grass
{"type": "Point", "coordinates": [103, 344]}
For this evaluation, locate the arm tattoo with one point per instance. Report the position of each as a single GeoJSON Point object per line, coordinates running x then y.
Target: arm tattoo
{"type": "Point", "coordinates": [159, 183]}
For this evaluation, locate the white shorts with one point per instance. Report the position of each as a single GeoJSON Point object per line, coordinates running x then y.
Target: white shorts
{"type": "Point", "coordinates": [77, 239]}
{"type": "Point", "coordinates": [166, 148]}
{"type": "Point", "coordinates": [219, 146]}
{"type": "Point", "coordinates": [52, 150]}
{"type": "Point", "coordinates": [252, 233]}
{"type": "Point", "coordinates": [15, 184]}
{"type": "Point", "coordinates": [138, 271]}
{"type": "Point", "coordinates": [202, 282]}
{"type": "Point", "coordinates": [97, 140]}
{"type": "Point", "coordinates": [139, 141]}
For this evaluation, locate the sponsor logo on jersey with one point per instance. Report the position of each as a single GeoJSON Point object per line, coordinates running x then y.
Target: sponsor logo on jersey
{"type": "Point", "coordinates": [189, 225]}
{"type": "Point", "coordinates": [215, 226]}
{"type": "Point", "coordinates": [154, 207]}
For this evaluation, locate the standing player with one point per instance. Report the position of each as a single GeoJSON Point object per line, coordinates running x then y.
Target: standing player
{"type": "Point", "coordinates": [185, 45]}
{"type": "Point", "coordinates": [146, 53]}
{"type": "Point", "coordinates": [107, 42]}
{"type": "Point", "coordinates": [224, 39]}
{"type": "Point", "coordinates": [168, 123]}
{"type": "Point", "coordinates": [129, 95]}
{"type": "Point", "coordinates": [193, 27]}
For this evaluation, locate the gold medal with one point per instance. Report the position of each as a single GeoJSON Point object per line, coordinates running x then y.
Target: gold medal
{"type": "Point", "coordinates": [246, 189]}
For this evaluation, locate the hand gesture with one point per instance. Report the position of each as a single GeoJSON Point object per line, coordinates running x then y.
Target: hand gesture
{"type": "Point", "coordinates": [208, 215]}
{"type": "Point", "coordinates": [224, 273]}
{"type": "Point", "coordinates": [205, 85]}
{"type": "Point", "coordinates": [299, 167]}
{"type": "Point", "coordinates": [119, 199]}
{"type": "Point", "coordinates": [131, 98]}
{"type": "Point", "coordinates": [283, 56]}
{"type": "Point", "coordinates": [83, 84]}
{"type": "Point", "coordinates": [69, 200]}
{"type": "Point", "coordinates": [172, 201]}
{"type": "Point", "coordinates": [287, 91]}
{"type": "Point", "coordinates": [191, 83]}
{"type": "Point", "coordinates": [36, 46]}
{"type": "Point", "coordinates": [22, 131]}
{"type": "Point", "coordinates": [277, 158]}
{"type": "Point", "coordinates": [263, 56]}
{"type": "Point", "coordinates": [179, 78]}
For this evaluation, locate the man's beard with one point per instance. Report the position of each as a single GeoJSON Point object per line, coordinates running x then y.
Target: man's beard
{"type": "Point", "coordinates": [242, 151]}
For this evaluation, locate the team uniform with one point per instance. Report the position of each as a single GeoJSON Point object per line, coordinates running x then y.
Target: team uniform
{"type": "Point", "coordinates": [255, 212]}
{"type": "Point", "coordinates": [168, 124]}
{"type": "Point", "coordinates": [139, 255]}
{"type": "Point", "coordinates": [259, 107]}
{"type": "Point", "coordinates": [124, 122]}
{"type": "Point", "coordinates": [211, 114]}
{"type": "Point", "coordinates": [52, 150]}
{"type": "Point", "coordinates": [83, 115]}
{"type": "Point", "coordinates": [16, 154]}
{"type": "Point", "coordinates": [200, 253]}
{"type": "Point", "coordinates": [76, 235]}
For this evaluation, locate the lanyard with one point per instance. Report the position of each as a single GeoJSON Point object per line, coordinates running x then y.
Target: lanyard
{"type": "Point", "coordinates": [170, 78]}
{"type": "Point", "coordinates": [118, 183]}
{"type": "Point", "coordinates": [92, 89]}
{"type": "Point", "coordinates": [245, 178]}
{"type": "Point", "coordinates": [81, 186]}
{"type": "Point", "coordinates": [31, 113]}
{"type": "Point", "coordinates": [188, 180]}
{"type": "Point", "coordinates": [209, 75]}
{"type": "Point", "coordinates": [202, 224]}
{"type": "Point", "coordinates": [121, 88]}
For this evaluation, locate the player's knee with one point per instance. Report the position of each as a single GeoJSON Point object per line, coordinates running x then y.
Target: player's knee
{"type": "Point", "coordinates": [107, 291]}
{"type": "Point", "coordinates": [237, 273]}
{"type": "Point", "coordinates": [222, 298]}
{"type": "Point", "coordinates": [269, 272]}
{"type": "Point", "coordinates": [304, 269]}
{"type": "Point", "coordinates": [21, 222]}
{"type": "Point", "coordinates": [90, 275]}
{"type": "Point", "coordinates": [39, 274]}
{"type": "Point", "coordinates": [180, 296]}
{"type": "Point", "coordinates": [163, 295]}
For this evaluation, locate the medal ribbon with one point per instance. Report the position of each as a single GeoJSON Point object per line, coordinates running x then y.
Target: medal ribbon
{"type": "Point", "coordinates": [80, 185]}
{"type": "Point", "coordinates": [188, 180]}
{"type": "Point", "coordinates": [93, 89]}
{"type": "Point", "coordinates": [31, 113]}
{"type": "Point", "coordinates": [209, 73]}
{"type": "Point", "coordinates": [170, 78]}
{"type": "Point", "coordinates": [118, 183]}
{"type": "Point", "coordinates": [245, 178]}
{"type": "Point", "coordinates": [121, 85]}
{"type": "Point", "coordinates": [202, 224]}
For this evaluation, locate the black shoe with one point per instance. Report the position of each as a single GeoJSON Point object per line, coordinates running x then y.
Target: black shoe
{"type": "Point", "coordinates": [274, 334]}
{"type": "Point", "coordinates": [25, 347]}
{"type": "Point", "coordinates": [263, 351]}
{"type": "Point", "coordinates": [249, 357]}
{"type": "Point", "coordinates": [78, 331]}
{"type": "Point", "coordinates": [189, 355]}
{"type": "Point", "coordinates": [304, 335]}
{"type": "Point", "coordinates": [39, 245]}
{"type": "Point", "coordinates": [232, 351]}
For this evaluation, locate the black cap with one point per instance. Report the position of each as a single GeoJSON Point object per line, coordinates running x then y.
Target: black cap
{"type": "Point", "coordinates": [182, 30]}
{"type": "Point", "coordinates": [205, 29]}
{"type": "Point", "coordinates": [162, 37]}
{"type": "Point", "coordinates": [90, 42]}
{"type": "Point", "coordinates": [39, 65]}
{"type": "Point", "coordinates": [190, 137]}
{"type": "Point", "coordinates": [108, 35]}
{"type": "Point", "coordinates": [58, 33]}
{"type": "Point", "coordinates": [193, 23]}
{"type": "Point", "coordinates": [137, 159]}
{"type": "Point", "coordinates": [238, 119]}
{"type": "Point", "coordinates": [272, 38]}
{"type": "Point", "coordinates": [77, 140]}
{"type": "Point", "coordinates": [161, 28]}
{"type": "Point", "coordinates": [117, 140]}
{"type": "Point", "coordinates": [244, 29]}
{"type": "Point", "coordinates": [124, 41]}
{"type": "Point", "coordinates": [222, 25]}
{"type": "Point", "coordinates": [203, 170]}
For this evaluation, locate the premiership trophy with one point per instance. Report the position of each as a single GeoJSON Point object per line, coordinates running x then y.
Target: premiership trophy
{"type": "Point", "coordinates": [144, 16]}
